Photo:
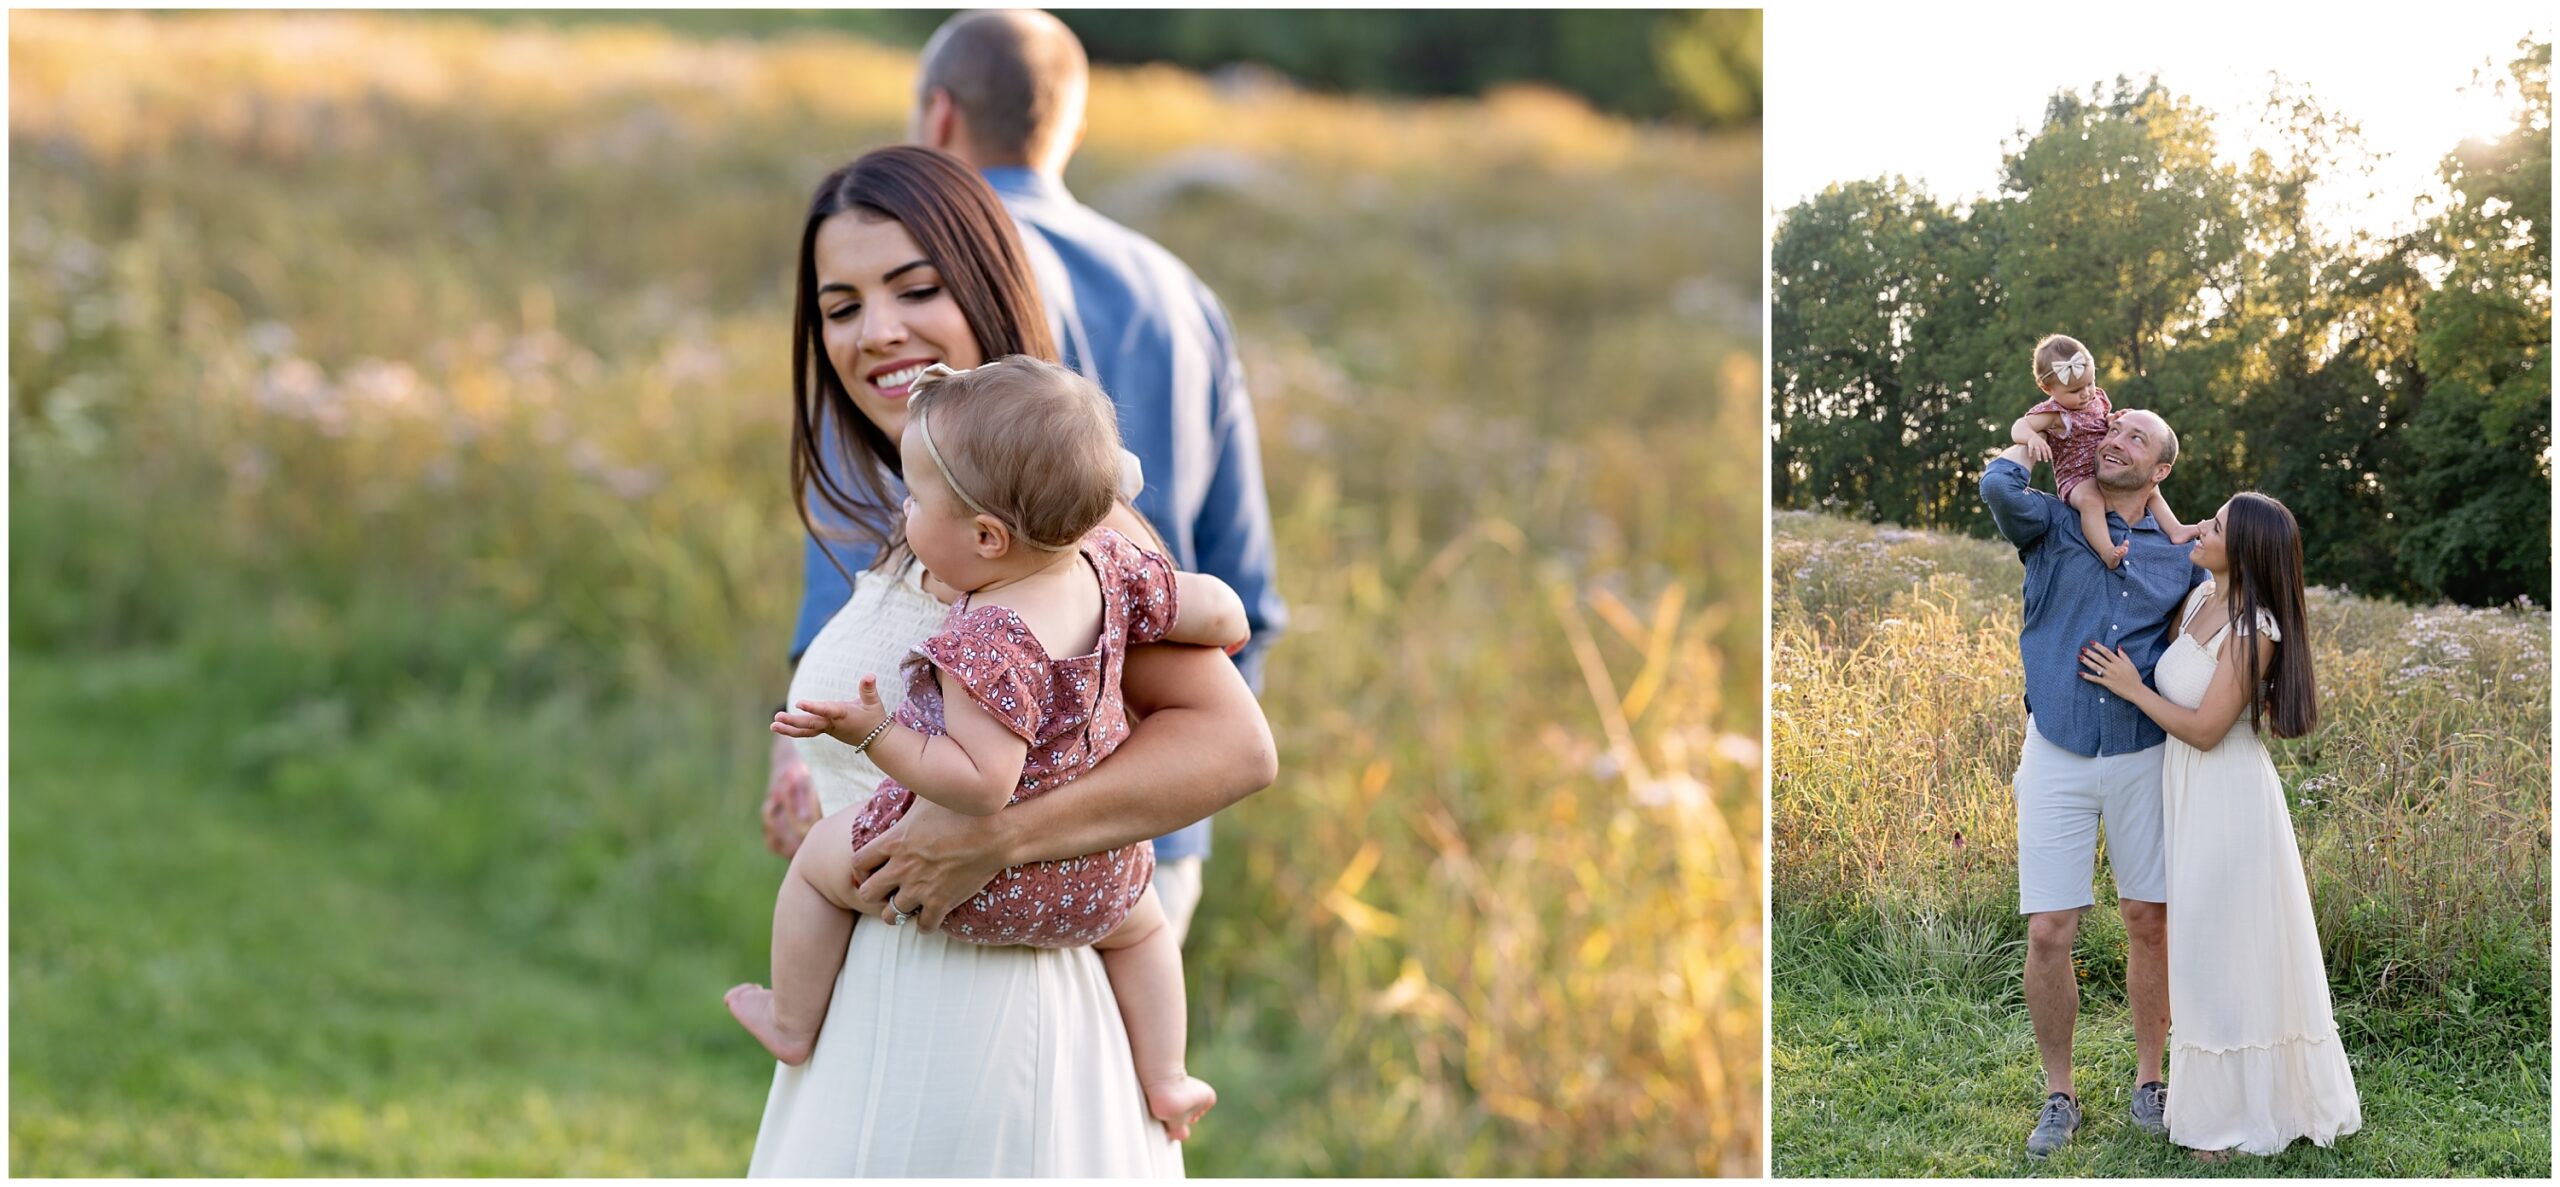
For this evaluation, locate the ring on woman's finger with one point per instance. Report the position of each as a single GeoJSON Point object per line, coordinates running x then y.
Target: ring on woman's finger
{"type": "Point", "coordinates": [899, 918]}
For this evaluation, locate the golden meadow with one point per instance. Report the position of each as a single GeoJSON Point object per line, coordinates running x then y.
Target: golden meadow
{"type": "Point", "coordinates": [402, 568]}
{"type": "Point", "coordinates": [2422, 801]}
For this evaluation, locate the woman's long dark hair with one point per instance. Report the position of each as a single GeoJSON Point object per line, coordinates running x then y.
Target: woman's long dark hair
{"type": "Point", "coordinates": [970, 240]}
{"type": "Point", "coordinates": [2263, 547]}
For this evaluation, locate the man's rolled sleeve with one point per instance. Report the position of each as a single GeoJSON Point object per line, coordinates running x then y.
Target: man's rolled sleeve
{"type": "Point", "coordinates": [2022, 515]}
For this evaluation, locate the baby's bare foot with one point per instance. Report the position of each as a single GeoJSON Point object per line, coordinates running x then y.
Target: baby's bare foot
{"type": "Point", "coordinates": [752, 1005]}
{"type": "Point", "coordinates": [1179, 1102]}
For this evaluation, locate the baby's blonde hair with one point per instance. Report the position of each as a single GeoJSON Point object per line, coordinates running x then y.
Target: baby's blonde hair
{"type": "Point", "coordinates": [2053, 349]}
{"type": "Point", "coordinates": [1037, 445]}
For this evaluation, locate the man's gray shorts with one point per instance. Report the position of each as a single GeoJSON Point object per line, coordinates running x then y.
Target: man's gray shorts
{"type": "Point", "coordinates": [2062, 798]}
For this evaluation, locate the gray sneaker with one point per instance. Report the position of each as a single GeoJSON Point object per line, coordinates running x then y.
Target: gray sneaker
{"type": "Point", "coordinates": [2055, 1125]}
{"type": "Point", "coordinates": [2151, 1109]}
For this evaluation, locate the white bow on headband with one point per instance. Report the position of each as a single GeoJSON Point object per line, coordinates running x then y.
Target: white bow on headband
{"type": "Point", "coordinates": [2068, 371]}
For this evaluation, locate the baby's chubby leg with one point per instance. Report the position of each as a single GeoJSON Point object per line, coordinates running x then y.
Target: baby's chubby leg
{"type": "Point", "coordinates": [1144, 961]}
{"type": "Point", "coordinates": [812, 919]}
{"type": "Point", "coordinates": [2085, 499]}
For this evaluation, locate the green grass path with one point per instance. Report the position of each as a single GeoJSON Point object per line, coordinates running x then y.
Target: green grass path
{"type": "Point", "coordinates": [433, 938]}
{"type": "Point", "coordinates": [202, 984]}
{"type": "Point", "coordinates": [1928, 1083]}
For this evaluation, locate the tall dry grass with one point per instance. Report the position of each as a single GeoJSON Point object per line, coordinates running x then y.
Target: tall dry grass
{"type": "Point", "coordinates": [417, 390]}
{"type": "Point", "coordinates": [2422, 804]}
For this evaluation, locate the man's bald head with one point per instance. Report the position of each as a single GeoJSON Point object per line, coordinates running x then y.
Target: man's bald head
{"type": "Point", "coordinates": [2137, 451]}
{"type": "Point", "coordinates": [2168, 437]}
{"type": "Point", "coordinates": [1013, 81]}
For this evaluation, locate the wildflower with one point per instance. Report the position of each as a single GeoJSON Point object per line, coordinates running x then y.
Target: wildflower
{"type": "Point", "coordinates": [297, 387]}
{"type": "Point", "coordinates": [1677, 790]}
{"type": "Point", "coordinates": [381, 386]}
{"type": "Point", "coordinates": [271, 338]}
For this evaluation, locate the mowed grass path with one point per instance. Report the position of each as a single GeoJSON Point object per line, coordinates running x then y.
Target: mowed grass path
{"type": "Point", "coordinates": [1921, 1080]}
{"type": "Point", "coordinates": [203, 983]}
{"type": "Point", "coordinates": [1900, 1039]}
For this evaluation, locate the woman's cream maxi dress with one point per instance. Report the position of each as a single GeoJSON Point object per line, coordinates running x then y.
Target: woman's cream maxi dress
{"type": "Point", "coordinates": [941, 1058]}
{"type": "Point", "coordinates": [2254, 1058]}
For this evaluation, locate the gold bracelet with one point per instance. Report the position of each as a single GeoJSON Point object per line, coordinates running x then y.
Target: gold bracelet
{"type": "Point", "coordinates": [873, 736]}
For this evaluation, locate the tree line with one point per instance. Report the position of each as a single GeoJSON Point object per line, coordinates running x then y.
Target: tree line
{"type": "Point", "coordinates": [2394, 391]}
{"type": "Point", "coordinates": [1698, 66]}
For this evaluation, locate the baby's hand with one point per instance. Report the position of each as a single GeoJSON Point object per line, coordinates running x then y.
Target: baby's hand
{"type": "Point", "coordinates": [2039, 450]}
{"type": "Point", "coordinates": [848, 722]}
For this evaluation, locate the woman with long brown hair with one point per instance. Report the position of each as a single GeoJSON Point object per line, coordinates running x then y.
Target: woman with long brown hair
{"type": "Point", "coordinates": [940, 1057]}
{"type": "Point", "coordinates": [2252, 1043]}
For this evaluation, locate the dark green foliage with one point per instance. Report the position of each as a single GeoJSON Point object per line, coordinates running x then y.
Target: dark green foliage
{"type": "Point", "coordinates": [2395, 393]}
{"type": "Point", "coordinates": [1853, 272]}
{"type": "Point", "coordinates": [1702, 67]}
{"type": "Point", "coordinates": [2484, 341]}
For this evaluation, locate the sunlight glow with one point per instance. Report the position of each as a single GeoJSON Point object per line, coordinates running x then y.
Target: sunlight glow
{"type": "Point", "coordinates": [1919, 93]}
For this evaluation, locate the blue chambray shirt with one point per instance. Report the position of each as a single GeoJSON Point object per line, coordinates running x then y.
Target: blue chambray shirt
{"type": "Point", "coordinates": [2073, 598]}
{"type": "Point", "coordinates": [1134, 319]}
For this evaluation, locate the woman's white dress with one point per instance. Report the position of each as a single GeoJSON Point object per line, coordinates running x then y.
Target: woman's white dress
{"type": "Point", "coordinates": [940, 1058]}
{"type": "Point", "coordinates": [2254, 1056]}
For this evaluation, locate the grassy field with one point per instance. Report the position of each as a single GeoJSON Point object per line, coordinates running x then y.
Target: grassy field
{"type": "Point", "coordinates": [403, 564]}
{"type": "Point", "coordinates": [1901, 1044]}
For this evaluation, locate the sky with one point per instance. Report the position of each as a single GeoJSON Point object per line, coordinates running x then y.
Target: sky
{"type": "Point", "coordinates": [1937, 97]}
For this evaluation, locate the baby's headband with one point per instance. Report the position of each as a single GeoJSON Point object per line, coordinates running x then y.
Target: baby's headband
{"type": "Point", "coordinates": [1132, 472]}
{"type": "Point", "coordinates": [2066, 371]}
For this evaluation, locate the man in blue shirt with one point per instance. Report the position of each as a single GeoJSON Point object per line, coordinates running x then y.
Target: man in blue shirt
{"type": "Point", "coordinates": [2091, 757]}
{"type": "Point", "coordinates": [1004, 91]}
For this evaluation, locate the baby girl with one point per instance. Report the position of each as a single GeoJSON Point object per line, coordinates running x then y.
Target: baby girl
{"type": "Point", "coordinates": [1010, 470]}
{"type": "Point", "coordinates": [2066, 430]}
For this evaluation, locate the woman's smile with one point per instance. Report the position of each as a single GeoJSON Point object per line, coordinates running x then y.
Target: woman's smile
{"type": "Point", "coordinates": [895, 380]}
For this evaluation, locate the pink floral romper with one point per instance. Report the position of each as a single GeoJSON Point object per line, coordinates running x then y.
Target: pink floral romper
{"type": "Point", "coordinates": [2075, 441]}
{"type": "Point", "coordinates": [1070, 712]}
